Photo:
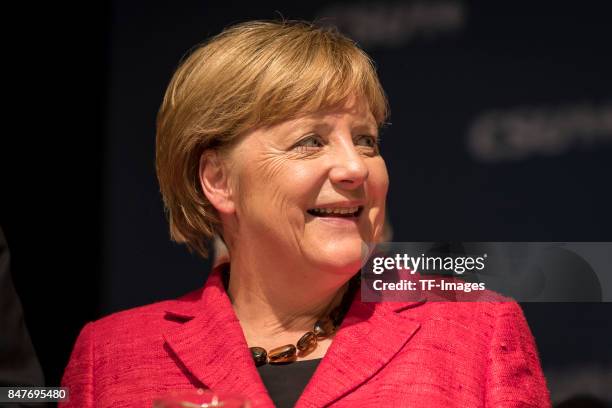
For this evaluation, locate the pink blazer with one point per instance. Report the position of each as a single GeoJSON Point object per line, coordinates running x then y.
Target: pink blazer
{"type": "Point", "coordinates": [418, 354]}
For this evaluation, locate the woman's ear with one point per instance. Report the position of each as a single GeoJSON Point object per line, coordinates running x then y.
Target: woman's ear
{"type": "Point", "coordinates": [214, 179]}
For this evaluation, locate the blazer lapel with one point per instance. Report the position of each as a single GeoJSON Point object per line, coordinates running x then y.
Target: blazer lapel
{"type": "Point", "coordinates": [212, 349]}
{"type": "Point", "coordinates": [213, 352]}
{"type": "Point", "coordinates": [369, 337]}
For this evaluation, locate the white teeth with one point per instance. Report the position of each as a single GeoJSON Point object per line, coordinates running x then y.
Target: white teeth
{"type": "Point", "coordinates": [340, 211]}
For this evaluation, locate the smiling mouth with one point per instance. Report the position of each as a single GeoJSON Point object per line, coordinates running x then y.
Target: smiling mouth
{"type": "Point", "coordinates": [342, 212]}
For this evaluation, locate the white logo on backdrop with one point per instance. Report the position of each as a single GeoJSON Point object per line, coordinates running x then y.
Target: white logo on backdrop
{"type": "Point", "coordinates": [523, 132]}
{"type": "Point", "coordinates": [393, 24]}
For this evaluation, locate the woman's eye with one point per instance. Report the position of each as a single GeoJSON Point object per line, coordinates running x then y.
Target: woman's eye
{"type": "Point", "coordinates": [367, 141]}
{"type": "Point", "coordinates": [310, 142]}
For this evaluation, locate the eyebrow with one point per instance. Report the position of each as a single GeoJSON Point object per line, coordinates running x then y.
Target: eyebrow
{"type": "Point", "coordinates": [301, 123]}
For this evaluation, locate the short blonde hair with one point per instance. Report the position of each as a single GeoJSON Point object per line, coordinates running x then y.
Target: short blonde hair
{"type": "Point", "coordinates": [253, 74]}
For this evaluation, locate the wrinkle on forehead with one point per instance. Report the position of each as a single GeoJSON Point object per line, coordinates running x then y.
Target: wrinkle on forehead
{"type": "Point", "coordinates": [356, 107]}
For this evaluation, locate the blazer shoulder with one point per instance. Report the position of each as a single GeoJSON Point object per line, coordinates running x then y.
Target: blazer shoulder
{"type": "Point", "coordinates": [483, 312]}
{"type": "Point", "coordinates": [152, 317]}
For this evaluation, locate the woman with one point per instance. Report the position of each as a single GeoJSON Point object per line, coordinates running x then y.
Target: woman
{"type": "Point", "coordinates": [268, 138]}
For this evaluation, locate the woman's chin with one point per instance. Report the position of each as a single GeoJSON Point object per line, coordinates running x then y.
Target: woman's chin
{"type": "Point", "coordinates": [340, 257]}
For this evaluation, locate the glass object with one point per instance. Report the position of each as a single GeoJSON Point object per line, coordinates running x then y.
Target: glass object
{"type": "Point", "coordinates": [201, 399]}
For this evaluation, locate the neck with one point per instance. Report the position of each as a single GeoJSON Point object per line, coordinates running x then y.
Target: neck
{"type": "Point", "coordinates": [276, 302]}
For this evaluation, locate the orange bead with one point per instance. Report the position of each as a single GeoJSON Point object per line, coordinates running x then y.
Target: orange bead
{"type": "Point", "coordinates": [307, 341]}
{"type": "Point", "coordinates": [283, 354]}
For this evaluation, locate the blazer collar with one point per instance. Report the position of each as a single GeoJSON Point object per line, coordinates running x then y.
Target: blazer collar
{"type": "Point", "coordinates": [211, 348]}
{"type": "Point", "coordinates": [370, 335]}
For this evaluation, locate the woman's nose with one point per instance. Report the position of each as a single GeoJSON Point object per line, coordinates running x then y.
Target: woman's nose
{"type": "Point", "coordinates": [349, 169]}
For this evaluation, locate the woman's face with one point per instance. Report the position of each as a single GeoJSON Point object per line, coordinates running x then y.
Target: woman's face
{"type": "Point", "coordinates": [313, 188]}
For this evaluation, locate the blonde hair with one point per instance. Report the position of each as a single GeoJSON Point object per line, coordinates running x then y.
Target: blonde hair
{"type": "Point", "coordinates": [253, 74]}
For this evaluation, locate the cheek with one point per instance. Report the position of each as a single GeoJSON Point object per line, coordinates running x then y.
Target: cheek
{"type": "Point", "coordinates": [274, 187]}
{"type": "Point", "coordinates": [378, 182]}
{"type": "Point", "coordinates": [377, 185]}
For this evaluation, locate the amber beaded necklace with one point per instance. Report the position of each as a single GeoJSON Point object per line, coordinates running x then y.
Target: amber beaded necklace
{"type": "Point", "coordinates": [323, 328]}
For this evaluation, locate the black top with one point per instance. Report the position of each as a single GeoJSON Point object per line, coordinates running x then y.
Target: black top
{"type": "Point", "coordinates": [285, 382]}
